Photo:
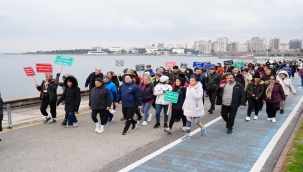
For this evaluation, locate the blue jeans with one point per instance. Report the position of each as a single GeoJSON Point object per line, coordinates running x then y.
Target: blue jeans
{"type": "Point", "coordinates": [71, 118]}
{"type": "Point", "coordinates": [158, 111]}
{"type": "Point", "coordinates": [107, 116]}
{"type": "Point", "coordinates": [145, 109]}
{"type": "Point", "coordinates": [301, 80]}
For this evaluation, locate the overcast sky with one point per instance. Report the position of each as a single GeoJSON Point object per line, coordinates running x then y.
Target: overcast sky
{"type": "Point", "coordinates": [31, 25]}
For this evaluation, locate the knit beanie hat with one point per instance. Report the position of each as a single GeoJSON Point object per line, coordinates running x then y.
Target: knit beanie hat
{"type": "Point", "coordinates": [164, 78]}
{"type": "Point", "coordinates": [257, 75]}
{"type": "Point", "coordinates": [106, 76]}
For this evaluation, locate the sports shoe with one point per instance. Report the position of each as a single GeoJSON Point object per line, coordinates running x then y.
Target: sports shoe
{"type": "Point", "coordinates": [247, 118]}
{"type": "Point", "coordinates": [46, 120]}
{"type": "Point", "coordinates": [229, 131]}
{"type": "Point", "coordinates": [185, 137]}
{"type": "Point", "coordinates": [144, 123]}
{"type": "Point", "coordinates": [97, 127]}
{"type": "Point", "coordinates": [139, 118]}
{"type": "Point", "coordinates": [273, 120]}
{"type": "Point", "coordinates": [149, 117]}
{"type": "Point", "coordinates": [165, 125]}
{"type": "Point", "coordinates": [183, 129]}
{"type": "Point", "coordinates": [52, 121]}
{"type": "Point", "coordinates": [101, 130]}
{"type": "Point", "coordinates": [122, 119]}
{"type": "Point", "coordinates": [135, 126]}
{"type": "Point", "coordinates": [124, 132]}
{"type": "Point", "coordinates": [203, 131]}
{"type": "Point", "coordinates": [210, 111]}
{"type": "Point", "coordinates": [281, 111]}
{"type": "Point", "coordinates": [76, 124]}
{"type": "Point", "coordinates": [167, 130]}
{"type": "Point", "coordinates": [64, 122]}
{"type": "Point", "coordinates": [68, 126]}
{"type": "Point", "coordinates": [256, 117]}
{"type": "Point", "coordinates": [157, 125]}
{"type": "Point", "coordinates": [269, 119]}
{"type": "Point", "coordinates": [112, 111]}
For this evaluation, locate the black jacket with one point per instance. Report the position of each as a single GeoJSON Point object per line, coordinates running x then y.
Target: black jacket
{"type": "Point", "coordinates": [99, 98]}
{"type": "Point", "coordinates": [115, 81]}
{"type": "Point", "coordinates": [122, 78]}
{"type": "Point", "coordinates": [72, 96]}
{"type": "Point", "coordinates": [212, 81]}
{"type": "Point", "coordinates": [1, 113]}
{"type": "Point", "coordinates": [240, 78]}
{"type": "Point", "coordinates": [238, 97]}
{"type": "Point", "coordinates": [90, 80]}
{"type": "Point", "coordinates": [148, 93]}
{"type": "Point", "coordinates": [51, 90]}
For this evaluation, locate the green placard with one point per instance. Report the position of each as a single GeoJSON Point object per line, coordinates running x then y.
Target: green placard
{"type": "Point", "coordinates": [238, 64]}
{"type": "Point", "coordinates": [170, 96]}
{"type": "Point", "coordinates": [64, 60]}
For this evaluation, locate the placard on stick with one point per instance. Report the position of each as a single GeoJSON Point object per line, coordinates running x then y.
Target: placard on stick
{"type": "Point", "coordinates": [183, 65]}
{"type": "Point", "coordinates": [64, 60]}
{"type": "Point", "coordinates": [140, 67]}
{"type": "Point", "coordinates": [119, 63]}
{"type": "Point", "coordinates": [171, 96]}
{"type": "Point", "coordinates": [44, 68]}
{"type": "Point", "coordinates": [198, 64]}
{"type": "Point", "coordinates": [170, 64]}
{"type": "Point", "coordinates": [29, 71]}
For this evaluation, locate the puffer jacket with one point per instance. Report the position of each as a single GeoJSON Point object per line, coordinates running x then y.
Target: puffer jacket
{"type": "Point", "coordinates": [193, 105]}
{"type": "Point", "coordinates": [51, 91]}
{"type": "Point", "coordinates": [159, 91]}
{"type": "Point", "coordinates": [256, 89]}
{"type": "Point", "coordinates": [147, 92]}
{"type": "Point", "coordinates": [286, 84]}
{"type": "Point", "coordinates": [277, 93]}
{"type": "Point", "coordinates": [99, 98]}
{"type": "Point", "coordinates": [238, 97]}
{"type": "Point", "coordinates": [212, 81]}
{"type": "Point", "coordinates": [72, 96]}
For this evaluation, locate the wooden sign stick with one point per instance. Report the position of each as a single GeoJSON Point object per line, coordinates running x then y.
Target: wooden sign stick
{"type": "Point", "coordinates": [60, 68]}
{"type": "Point", "coordinates": [169, 108]}
{"type": "Point", "coordinates": [34, 79]}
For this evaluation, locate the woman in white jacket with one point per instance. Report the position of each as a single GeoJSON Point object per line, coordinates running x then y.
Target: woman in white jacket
{"type": "Point", "coordinates": [159, 91]}
{"type": "Point", "coordinates": [193, 106]}
{"type": "Point", "coordinates": [287, 86]}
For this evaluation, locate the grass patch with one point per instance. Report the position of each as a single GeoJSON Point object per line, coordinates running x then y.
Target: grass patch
{"type": "Point", "coordinates": [294, 160]}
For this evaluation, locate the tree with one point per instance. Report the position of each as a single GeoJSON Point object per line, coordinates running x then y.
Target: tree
{"type": "Point", "coordinates": [141, 50]}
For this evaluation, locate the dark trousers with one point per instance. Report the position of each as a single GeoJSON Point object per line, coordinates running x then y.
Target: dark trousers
{"type": "Point", "coordinates": [212, 97]}
{"type": "Point", "coordinates": [1, 118]}
{"type": "Point", "coordinates": [102, 116]}
{"type": "Point", "coordinates": [271, 109]}
{"type": "Point", "coordinates": [137, 112]}
{"type": "Point", "coordinates": [108, 115]}
{"type": "Point", "coordinates": [253, 104]}
{"type": "Point", "coordinates": [229, 114]}
{"type": "Point", "coordinates": [174, 114]}
{"type": "Point", "coordinates": [128, 114]}
{"type": "Point", "coordinates": [71, 118]}
{"type": "Point", "coordinates": [52, 105]}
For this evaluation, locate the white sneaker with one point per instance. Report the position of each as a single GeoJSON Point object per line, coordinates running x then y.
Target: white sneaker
{"type": "Point", "coordinates": [247, 118]}
{"type": "Point", "coordinates": [101, 130]}
{"type": "Point", "coordinates": [183, 129]}
{"type": "Point", "coordinates": [112, 111]}
{"type": "Point", "coordinates": [149, 117]}
{"type": "Point", "coordinates": [167, 130]}
{"type": "Point", "coordinates": [269, 119]}
{"type": "Point", "coordinates": [144, 123]}
{"type": "Point", "coordinates": [256, 117]}
{"type": "Point", "coordinates": [76, 124]}
{"type": "Point", "coordinates": [273, 120]}
{"type": "Point", "coordinates": [97, 127]}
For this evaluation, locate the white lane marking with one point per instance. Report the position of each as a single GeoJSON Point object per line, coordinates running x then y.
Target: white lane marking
{"type": "Point", "coordinates": [154, 154]}
{"type": "Point", "coordinates": [270, 146]}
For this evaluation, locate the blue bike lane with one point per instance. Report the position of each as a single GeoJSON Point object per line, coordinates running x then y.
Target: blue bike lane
{"type": "Point", "coordinates": [246, 149]}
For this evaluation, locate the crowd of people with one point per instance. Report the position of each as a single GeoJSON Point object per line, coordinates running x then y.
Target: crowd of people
{"type": "Point", "coordinates": [228, 86]}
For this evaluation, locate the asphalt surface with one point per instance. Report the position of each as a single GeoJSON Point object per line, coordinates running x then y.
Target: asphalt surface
{"type": "Point", "coordinates": [51, 147]}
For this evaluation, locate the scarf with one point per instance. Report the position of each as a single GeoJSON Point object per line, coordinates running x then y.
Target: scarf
{"type": "Point", "coordinates": [269, 90]}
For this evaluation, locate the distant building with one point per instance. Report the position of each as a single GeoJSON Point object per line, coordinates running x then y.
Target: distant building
{"type": "Point", "coordinates": [248, 43]}
{"type": "Point", "coordinates": [178, 51]}
{"type": "Point", "coordinates": [284, 46]}
{"type": "Point", "coordinates": [97, 48]}
{"type": "Point", "coordinates": [151, 50]}
{"type": "Point", "coordinates": [233, 47]}
{"type": "Point", "coordinates": [295, 44]}
{"type": "Point", "coordinates": [115, 49]}
{"type": "Point", "coordinates": [170, 46]}
{"type": "Point", "coordinates": [206, 48]}
{"type": "Point", "coordinates": [275, 44]}
{"type": "Point", "coordinates": [196, 46]}
{"type": "Point", "coordinates": [185, 45]}
{"type": "Point", "coordinates": [179, 46]}
{"type": "Point", "coordinates": [257, 44]}
{"type": "Point", "coordinates": [242, 48]}
{"type": "Point", "coordinates": [221, 44]}
{"type": "Point", "coordinates": [160, 46]}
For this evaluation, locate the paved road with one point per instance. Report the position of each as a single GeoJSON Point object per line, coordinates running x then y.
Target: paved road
{"type": "Point", "coordinates": [48, 147]}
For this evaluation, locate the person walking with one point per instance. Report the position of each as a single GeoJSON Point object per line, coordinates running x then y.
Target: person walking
{"type": "Point", "coordinates": [92, 77]}
{"type": "Point", "coordinates": [175, 74]}
{"type": "Point", "coordinates": [233, 97]}
{"type": "Point", "coordinates": [159, 91]}
{"type": "Point", "coordinates": [287, 86]}
{"type": "Point", "coordinates": [147, 95]}
{"type": "Point", "coordinates": [48, 97]}
{"type": "Point", "coordinates": [113, 96]}
{"type": "Point", "coordinates": [254, 91]}
{"type": "Point", "coordinates": [274, 94]}
{"type": "Point", "coordinates": [1, 112]}
{"type": "Point", "coordinates": [113, 78]}
{"type": "Point", "coordinates": [99, 103]}
{"type": "Point", "coordinates": [177, 111]}
{"type": "Point", "coordinates": [129, 94]}
{"type": "Point", "coordinates": [150, 70]}
{"type": "Point", "coordinates": [212, 83]}
{"type": "Point", "coordinates": [239, 77]}
{"type": "Point", "coordinates": [202, 78]}
{"type": "Point", "coordinates": [193, 106]}
{"type": "Point", "coordinates": [72, 97]}
{"type": "Point", "coordinates": [301, 75]}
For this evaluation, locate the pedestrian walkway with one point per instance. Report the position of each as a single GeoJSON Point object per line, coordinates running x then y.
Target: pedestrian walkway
{"type": "Point", "coordinates": [246, 149]}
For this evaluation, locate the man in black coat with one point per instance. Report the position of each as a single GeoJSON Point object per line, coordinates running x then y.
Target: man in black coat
{"type": "Point", "coordinates": [212, 83]}
{"type": "Point", "coordinates": [239, 77]}
{"type": "Point", "coordinates": [92, 77]}
{"type": "Point", "coordinates": [48, 96]}
{"type": "Point", "coordinates": [72, 97]}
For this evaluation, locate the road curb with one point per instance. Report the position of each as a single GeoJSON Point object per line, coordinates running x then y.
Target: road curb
{"type": "Point", "coordinates": [284, 153]}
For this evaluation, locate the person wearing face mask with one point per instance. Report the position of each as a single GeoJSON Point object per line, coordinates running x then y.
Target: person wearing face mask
{"type": "Point", "coordinates": [48, 97]}
{"type": "Point", "coordinates": [274, 94]}
{"type": "Point", "coordinates": [72, 97]}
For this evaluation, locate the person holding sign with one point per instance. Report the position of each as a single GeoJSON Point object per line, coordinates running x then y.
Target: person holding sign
{"type": "Point", "coordinates": [193, 106]}
{"type": "Point", "coordinates": [159, 91]}
{"type": "Point", "coordinates": [177, 107]}
{"type": "Point", "coordinates": [48, 97]}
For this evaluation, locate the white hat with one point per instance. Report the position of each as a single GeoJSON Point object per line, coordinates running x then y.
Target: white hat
{"type": "Point", "coordinates": [164, 78]}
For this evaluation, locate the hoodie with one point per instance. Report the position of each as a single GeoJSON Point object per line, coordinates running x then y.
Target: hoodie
{"type": "Point", "coordinates": [286, 83]}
